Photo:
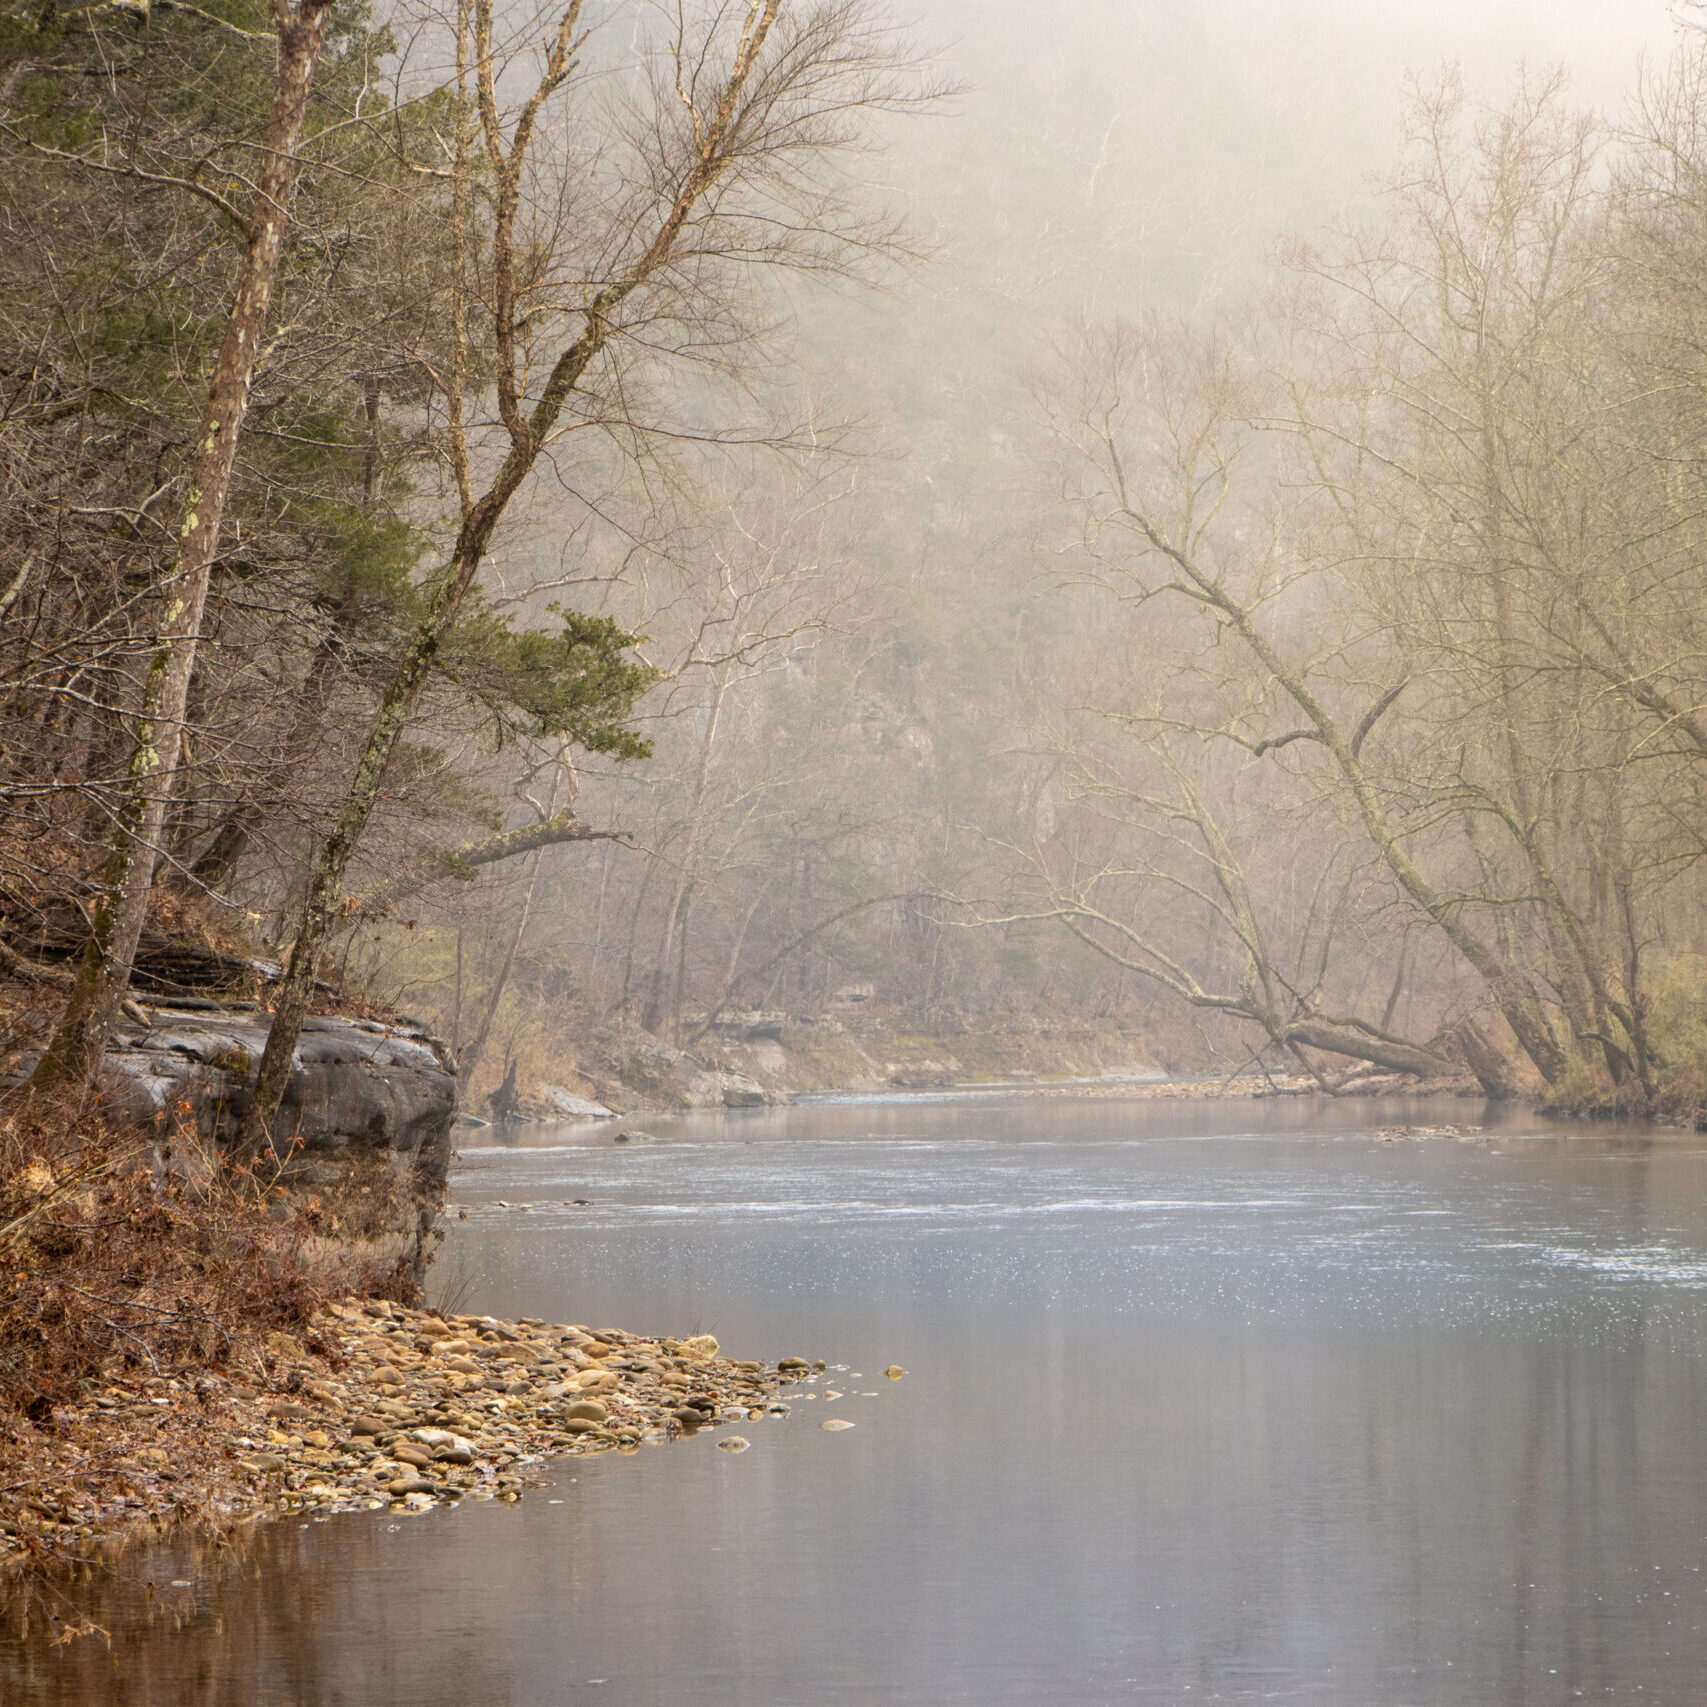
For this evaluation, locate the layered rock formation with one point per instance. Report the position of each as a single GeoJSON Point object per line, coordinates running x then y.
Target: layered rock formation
{"type": "Point", "coordinates": [367, 1114]}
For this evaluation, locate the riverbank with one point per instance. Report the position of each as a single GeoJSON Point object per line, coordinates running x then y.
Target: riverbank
{"type": "Point", "coordinates": [372, 1404]}
{"type": "Point", "coordinates": [758, 1059]}
{"type": "Point", "coordinates": [749, 1060]}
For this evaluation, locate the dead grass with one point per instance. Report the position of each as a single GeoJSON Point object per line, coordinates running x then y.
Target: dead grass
{"type": "Point", "coordinates": [116, 1257]}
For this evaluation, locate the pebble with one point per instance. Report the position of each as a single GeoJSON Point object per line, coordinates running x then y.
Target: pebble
{"type": "Point", "coordinates": [393, 1403]}
{"type": "Point", "coordinates": [733, 1443]}
{"type": "Point", "coordinates": [894, 1372]}
{"type": "Point", "coordinates": [834, 1425]}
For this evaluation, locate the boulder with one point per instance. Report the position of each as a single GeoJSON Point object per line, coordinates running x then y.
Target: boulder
{"type": "Point", "coordinates": [566, 1105]}
{"type": "Point", "coordinates": [741, 1092]}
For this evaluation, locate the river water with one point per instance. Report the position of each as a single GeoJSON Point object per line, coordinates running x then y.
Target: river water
{"type": "Point", "coordinates": [1207, 1402]}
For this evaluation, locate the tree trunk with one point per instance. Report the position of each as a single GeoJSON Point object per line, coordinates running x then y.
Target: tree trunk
{"type": "Point", "coordinates": [466, 1063]}
{"type": "Point", "coordinates": [75, 1050]}
{"type": "Point", "coordinates": [502, 1101]}
{"type": "Point", "coordinates": [1391, 1053]}
{"type": "Point", "coordinates": [663, 1002]}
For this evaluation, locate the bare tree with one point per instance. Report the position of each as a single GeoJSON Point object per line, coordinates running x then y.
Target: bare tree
{"type": "Point", "coordinates": [1162, 427]}
{"type": "Point", "coordinates": [741, 110]}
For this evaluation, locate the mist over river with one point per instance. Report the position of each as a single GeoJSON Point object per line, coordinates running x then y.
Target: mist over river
{"type": "Point", "coordinates": [1215, 1401]}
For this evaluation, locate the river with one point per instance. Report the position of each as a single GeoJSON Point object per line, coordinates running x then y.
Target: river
{"type": "Point", "coordinates": [1222, 1401]}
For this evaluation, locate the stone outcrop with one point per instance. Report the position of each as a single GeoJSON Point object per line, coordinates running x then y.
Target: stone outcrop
{"type": "Point", "coordinates": [680, 1080]}
{"type": "Point", "coordinates": [357, 1081]}
{"type": "Point", "coordinates": [369, 1106]}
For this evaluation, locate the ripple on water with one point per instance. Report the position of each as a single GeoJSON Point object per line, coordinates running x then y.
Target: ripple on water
{"type": "Point", "coordinates": [1657, 1265]}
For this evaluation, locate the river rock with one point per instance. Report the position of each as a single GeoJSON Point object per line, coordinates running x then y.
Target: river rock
{"type": "Point", "coordinates": [834, 1425]}
{"type": "Point", "coordinates": [438, 1438]}
{"type": "Point", "coordinates": [734, 1443]}
{"type": "Point", "coordinates": [415, 1445]}
{"type": "Point", "coordinates": [894, 1372]}
{"type": "Point", "coordinates": [568, 1106]}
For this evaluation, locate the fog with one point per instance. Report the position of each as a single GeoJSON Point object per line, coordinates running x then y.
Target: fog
{"type": "Point", "coordinates": [1247, 118]}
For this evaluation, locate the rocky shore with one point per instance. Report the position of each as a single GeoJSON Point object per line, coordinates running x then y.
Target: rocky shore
{"type": "Point", "coordinates": [374, 1404]}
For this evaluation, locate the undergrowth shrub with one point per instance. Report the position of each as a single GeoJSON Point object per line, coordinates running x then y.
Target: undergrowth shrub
{"type": "Point", "coordinates": [124, 1253]}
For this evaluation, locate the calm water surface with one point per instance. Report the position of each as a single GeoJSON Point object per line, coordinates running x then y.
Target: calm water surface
{"type": "Point", "coordinates": [1217, 1402]}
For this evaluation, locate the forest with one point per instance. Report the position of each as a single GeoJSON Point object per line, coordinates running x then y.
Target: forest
{"type": "Point", "coordinates": [599, 527]}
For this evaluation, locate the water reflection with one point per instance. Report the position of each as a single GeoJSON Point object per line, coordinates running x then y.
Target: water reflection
{"type": "Point", "coordinates": [1296, 1415]}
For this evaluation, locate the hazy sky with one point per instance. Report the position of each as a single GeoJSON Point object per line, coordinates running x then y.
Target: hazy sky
{"type": "Point", "coordinates": [1183, 134]}
{"type": "Point", "coordinates": [1600, 40]}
